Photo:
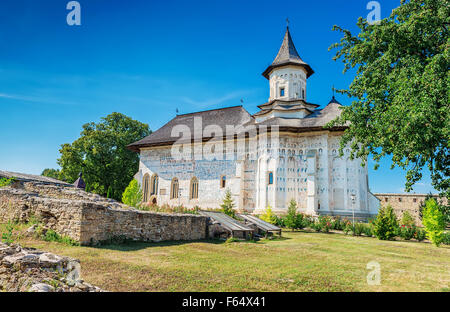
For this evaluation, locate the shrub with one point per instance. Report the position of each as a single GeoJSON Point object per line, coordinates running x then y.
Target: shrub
{"type": "Point", "coordinates": [359, 229]}
{"type": "Point", "coordinates": [420, 234]}
{"type": "Point", "coordinates": [338, 224]}
{"type": "Point", "coordinates": [52, 236]}
{"type": "Point", "coordinates": [385, 226]}
{"type": "Point", "coordinates": [228, 205]}
{"type": "Point", "coordinates": [367, 230]}
{"type": "Point", "coordinates": [433, 221]}
{"type": "Point", "coordinates": [6, 182]}
{"type": "Point", "coordinates": [322, 224]}
{"type": "Point", "coordinates": [268, 216]}
{"type": "Point", "coordinates": [407, 219]}
{"type": "Point", "coordinates": [446, 238]}
{"type": "Point", "coordinates": [8, 236]}
{"type": "Point", "coordinates": [132, 195]}
{"type": "Point", "coordinates": [407, 231]}
{"type": "Point", "coordinates": [279, 221]}
{"type": "Point", "coordinates": [291, 218]}
{"type": "Point", "coordinates": [301, 221]}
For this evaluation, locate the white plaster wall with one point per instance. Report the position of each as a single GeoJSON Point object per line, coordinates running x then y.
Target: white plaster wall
{"type": "Point", "coordinates": [292, 78]}
{"type": "Point", "coordinates": [327, 178]}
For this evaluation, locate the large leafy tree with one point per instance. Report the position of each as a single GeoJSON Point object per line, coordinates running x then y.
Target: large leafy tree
{"type": "Point", "coordinates": [101, 154]}
{"type": "Point", "coordinates": [401, 89]}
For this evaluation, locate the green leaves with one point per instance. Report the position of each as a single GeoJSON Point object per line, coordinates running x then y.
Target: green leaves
{"type": "Point", "coordinates": [132, 195]}
{"type": "Point", "coordinates": [101, 154]}
{"type": "Point", "coordinates": [434, 221]}
{"type": "Point", "coordinates": [228, 204]}
{"type": "Point", "coordinates": [401, 105]}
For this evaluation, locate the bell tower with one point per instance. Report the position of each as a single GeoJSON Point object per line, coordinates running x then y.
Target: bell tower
{"type": "Point", "coordinates": [288, 73]}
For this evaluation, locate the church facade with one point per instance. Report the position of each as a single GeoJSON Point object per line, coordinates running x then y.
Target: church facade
{"type": "Point", "coordinates": [282, 152]}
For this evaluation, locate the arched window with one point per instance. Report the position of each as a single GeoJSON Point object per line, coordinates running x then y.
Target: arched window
{"type": "Point", "coordinates": [270, 178]}
{"type": "Point", "coordinates": [223, 181]}
{"type": "Point", "coordinates": [174, 187]}
{"type": "Point", "coordinates": [145, 188]}
{"type": "Point", "coordinates": [194, 188]}
{"type": "Point", "coordinates": [154, 185]}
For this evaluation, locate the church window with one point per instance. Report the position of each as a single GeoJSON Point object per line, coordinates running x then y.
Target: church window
{"type": "Point", "coordinates": [281, 91]}
{"type": "Point", "coordinates": [145, 188]}
{"type": "Point", "coordinates": [303, 93]}
{"type": "Point", "coordinates": [270, 178]}
{"type": "Point", "coordinates": [223, 181]}
{"type": "Point", "coordinates": [154, 185]}
{"type": "Point", "coordinates": [174, 187]}
{"type": "Point", "coordinates": [194, 188]}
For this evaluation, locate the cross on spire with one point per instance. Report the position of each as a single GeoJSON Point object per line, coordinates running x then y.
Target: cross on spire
{"type": "Point", "coordinates": [287, 22]}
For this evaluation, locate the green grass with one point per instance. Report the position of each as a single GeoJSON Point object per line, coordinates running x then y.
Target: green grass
{"type": "Point", "coordinates": [300, 261]}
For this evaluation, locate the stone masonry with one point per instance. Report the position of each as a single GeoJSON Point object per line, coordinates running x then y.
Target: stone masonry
{"type": "Point", "coordinates": [90, 219]}
{"type": "Point", "coordinates": [31, 270]}
{"type": "Point", "coordinates": [407, 202]}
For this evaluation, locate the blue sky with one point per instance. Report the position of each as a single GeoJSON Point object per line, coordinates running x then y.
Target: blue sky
{"type": "Point", "coordinates": [147, 58]}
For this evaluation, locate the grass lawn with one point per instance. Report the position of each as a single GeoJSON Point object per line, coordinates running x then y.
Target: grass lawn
{"type": "Point", "coordinates": [300, 261]}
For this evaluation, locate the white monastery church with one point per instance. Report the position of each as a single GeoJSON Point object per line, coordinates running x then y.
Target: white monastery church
{"type": "Point", "coordinates": [282, 152]}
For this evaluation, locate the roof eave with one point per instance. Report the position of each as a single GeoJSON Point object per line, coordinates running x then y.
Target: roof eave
{"type": "Point", "coordinates": [309, 70]}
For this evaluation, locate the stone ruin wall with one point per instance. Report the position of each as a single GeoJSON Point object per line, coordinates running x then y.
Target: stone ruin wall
{"type": "Point", "coordinates": [89, 218]}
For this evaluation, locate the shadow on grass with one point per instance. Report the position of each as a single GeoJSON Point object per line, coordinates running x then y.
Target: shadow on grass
{"type": "Point", "coordinates": [134, 245]}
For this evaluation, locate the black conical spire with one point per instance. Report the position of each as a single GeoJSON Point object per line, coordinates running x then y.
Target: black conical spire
{"type": "Point", "coordinates": [288, 55]}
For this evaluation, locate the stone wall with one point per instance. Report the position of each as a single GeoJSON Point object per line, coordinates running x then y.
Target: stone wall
{"type": "Point", "coordinates": [406, 202]}
{"type": "Point", "coordinates": [89, 218]}
{"type": "Point", "coordinates": [31, 270]}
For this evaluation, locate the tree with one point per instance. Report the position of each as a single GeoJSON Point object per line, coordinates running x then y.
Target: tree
{"type": "Point", "coordinates": [433, 221]}
{"type": "Point", "coordinates": [228, 204]}
{"type": "Point", "coordinates": [385, 226]}
{"type": "Point", "coordinates": [401, 90]}
{"type": "Point", "coordinates": [101, 154]}
{"type": "Point", "coordinates": [132, 195]}
{"type": "Point", "coordinates": [407, 219]}
{"type": "Point", "coordinates": [291, 217]}
{"type": "Point", "coordinates": [269, 216]}
{"type": "Point", "coordinates": [51, 173]}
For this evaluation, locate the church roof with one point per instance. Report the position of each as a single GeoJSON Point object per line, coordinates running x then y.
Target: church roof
{"type": "Point", "coordinates": [316, 120]}
{"type": "Point", "coordinates": [288, 55]}
{"type": "Point", "coordinates": [235, 116]}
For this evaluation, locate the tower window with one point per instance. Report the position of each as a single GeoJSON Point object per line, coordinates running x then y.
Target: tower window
{"type": "Point", "coordinates": [270, 178]}
{"type": "Point", "coordinates": [281, 91]}
{"type": "Point", "coordinates": [303, 93]}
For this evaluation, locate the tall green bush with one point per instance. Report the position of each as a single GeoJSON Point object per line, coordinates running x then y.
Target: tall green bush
{"type": "Point", "coordinates": [228, 204]}
{"type": "Point", "coordinates": [433, 221]}
{"type": "Point", "coordinates": [132, 195]}
{"type": "Point", "coordinates": [269, 216]}
{"type": "Point", "coordinates": [385, 226]}
{"type": "Point", "coordinates": [290, 221]}
{"type": "Point", "coordinates": [407, 219]}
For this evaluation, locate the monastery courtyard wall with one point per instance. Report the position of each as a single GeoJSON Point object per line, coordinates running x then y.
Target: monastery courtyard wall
{"type": "Point", "coordinates": [90, 219]}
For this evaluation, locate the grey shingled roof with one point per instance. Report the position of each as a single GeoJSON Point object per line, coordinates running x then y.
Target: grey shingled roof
{"type": "Point", "coordinates": [318, 119]}
{"type": "Point", "coordinates": [238, 116]}
{"type": "Point", "coordinates": [288, 55]}
{"type": "Point", "coordinates": [235, 116]}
